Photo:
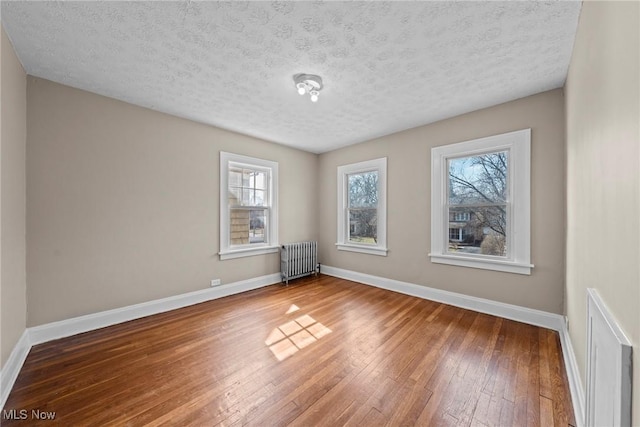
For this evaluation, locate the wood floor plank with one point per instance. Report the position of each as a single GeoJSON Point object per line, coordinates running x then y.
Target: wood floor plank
{"type": "Point", "coordinates": [491, 385]}
{"type": "Point", "coordinates": [533, 388]}
{"type": "Point", "coordinates": [546, 412]}
{"type": "Point", "coordinates": [545, 371]}
{"type": "Point", "coordinates": [506, 413]}
{"type": "Point", "coordinates": [523, 365]}
{"type": "Point", "coordinates": [320, 352]}
{"type": "Point", "coordinates": [481, 412]}
{"type": "Point", "coordinates": [476, 372]}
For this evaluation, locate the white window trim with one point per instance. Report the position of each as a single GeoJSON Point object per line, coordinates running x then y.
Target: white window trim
{"type": "Point", "coordinates": [271, 245]}
{"type": "Point", "coordinates": [343, 244]}
{"type": "Point", "coordinates": [518, 144]}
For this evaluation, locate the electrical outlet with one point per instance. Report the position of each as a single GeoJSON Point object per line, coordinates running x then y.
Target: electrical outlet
{"type": "Point", "coordinates": [215, 282]}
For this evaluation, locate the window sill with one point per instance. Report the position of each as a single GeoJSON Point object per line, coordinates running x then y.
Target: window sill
{"type": "Point", "coordinates": [485, 264]}
{"type": "Point", "coordinates": [244, 252]}
{"type": "Point", "coordinates": [371, 250]}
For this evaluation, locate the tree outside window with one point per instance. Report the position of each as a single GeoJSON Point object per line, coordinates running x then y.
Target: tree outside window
{"type": "Point", "coordinates": [363, 207]}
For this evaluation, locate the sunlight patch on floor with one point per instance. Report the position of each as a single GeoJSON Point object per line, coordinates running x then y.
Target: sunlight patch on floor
{"type": "Point", "coordinates": [292, 309]}
{"type": "Point", "coordinates": [294, 335]}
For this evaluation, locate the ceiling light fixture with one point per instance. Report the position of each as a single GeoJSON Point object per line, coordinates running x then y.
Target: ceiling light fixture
{"type": "Point", "coordinates": [308, 83]}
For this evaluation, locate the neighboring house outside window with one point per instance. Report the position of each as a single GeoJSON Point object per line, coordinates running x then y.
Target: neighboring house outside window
{"type": "Point", "coordinates": [362, 207]}
{"type": "Point", "coordinates": [480, 198]}
{"type": "Point", "coordinates": [248, 206]}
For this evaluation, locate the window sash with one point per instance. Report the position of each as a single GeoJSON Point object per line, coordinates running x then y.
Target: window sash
{"type": "Point", "coordinates": [360, 208]}
{"type": "Point", "coordinates": [506, 190]}
{"type": "Point", "coordinates": [249, 188]}
{"type": "Point", "coordinates": [354, 237]}
{"type": "Point", "coordinates": [243, 209]}
{"type": "Point", "coordinates": [449, 205]}
{"type": "Point", "coordinates": [508, 234]}
{"type": "Point", "coordinates": [251, 234]}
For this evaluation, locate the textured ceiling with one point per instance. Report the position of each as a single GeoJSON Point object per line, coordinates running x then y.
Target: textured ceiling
{"type": "Point", "coordinates": [386, 66]}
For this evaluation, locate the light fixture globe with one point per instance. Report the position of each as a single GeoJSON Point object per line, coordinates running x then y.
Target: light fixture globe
{"type": "Point", "coordinates": [308, 83]}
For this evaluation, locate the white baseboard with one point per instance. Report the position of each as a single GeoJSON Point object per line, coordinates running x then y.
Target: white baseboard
{"type": "Point", "coordinates": [573, 374]}
{"type": "Point", "coordinates": [12, 367]}
{"type": "Point", "coordinates": [540, 318]}
{"type": "Point", "coordinates": [508, 311]}
{"type": "Point", "coordinates": [90, 322]}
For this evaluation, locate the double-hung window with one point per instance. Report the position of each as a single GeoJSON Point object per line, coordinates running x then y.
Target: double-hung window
{"type": "Point", "coordinates": [362, 207]}
{"type": "Point", "coordinates": [248, 206]}
{"type": "Point", "coordinates": [480, 203]}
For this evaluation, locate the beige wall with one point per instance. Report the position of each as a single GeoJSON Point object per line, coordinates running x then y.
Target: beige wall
{"type": "Point", "coordinates": [123, 203]}
{"type": "Point", "coordinates": [603, 173]}
{"type": "Point", "coordinates": [13, 204]}
{"type": "Point", "coordinates": [409, 189]}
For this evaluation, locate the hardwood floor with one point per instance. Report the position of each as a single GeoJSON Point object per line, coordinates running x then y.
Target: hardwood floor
{"type": "Point", "coordinates": [322, 351]}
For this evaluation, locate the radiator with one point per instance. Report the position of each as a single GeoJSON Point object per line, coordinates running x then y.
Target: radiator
{"type": "Point", "coordinates": [298, 259]}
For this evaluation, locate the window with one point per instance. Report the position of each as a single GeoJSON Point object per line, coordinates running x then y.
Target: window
{"type": "Point", "coordinates": [362, 207]}
{"type": "Point", "coordinates": [457, 234]}
{"type": "Point", "coordinates": [248, 206]}
{"type": "Point", "coordinates": [461, 216]}
{"type": "Point", "coordinates": [480, 203]}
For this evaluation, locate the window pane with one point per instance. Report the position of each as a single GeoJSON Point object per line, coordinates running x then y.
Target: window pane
{"type": "Point", "coordinates": [247, 226]}
{"type": "Point", "coordinates": [235, 177]}
{"type": "Point", "coordinates": [258, 219]}
{"type": "Point", "coordinates": [363, 189]}
{"type": "Point", "coordinates": [484, 232]}
{"type": "Point", "coordinates": [258, 198]}
{"type": "Point", "coordinates": [479, 179]}
{"type": "Point", "coordinates": [239, 233]}
{"type": "Point", "coordinates": [261, 180]}
{"type": "Point", "coordinates": [247, 187]}
{"type": "Point", "coordinates": [246, 178]}
{"type": "Point", "coordinates": [235, 196]}
{"type": "Point", "coordinates": [246, 197]}
{"type": "Point", "coordinates": [363, 226]}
